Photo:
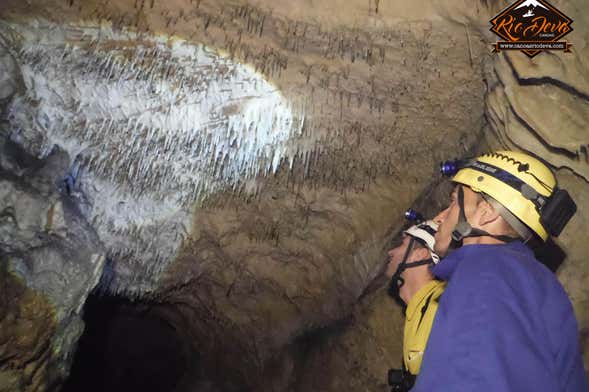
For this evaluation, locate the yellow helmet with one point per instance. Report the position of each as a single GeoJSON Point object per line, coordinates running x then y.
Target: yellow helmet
{"type": "Point", "coordinates": [521, 184]}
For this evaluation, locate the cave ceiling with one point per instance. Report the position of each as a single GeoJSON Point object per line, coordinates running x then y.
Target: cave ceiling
{"type": "Point", "coordinates": [241, 166]}
{"type": "Point", "coordinates": [163, 105]}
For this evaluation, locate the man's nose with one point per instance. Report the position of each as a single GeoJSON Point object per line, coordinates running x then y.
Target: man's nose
{"type": "Point", "coordinates": [441, 217]}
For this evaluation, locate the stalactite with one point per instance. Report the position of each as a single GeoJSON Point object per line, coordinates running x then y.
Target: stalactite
{"type": "Point", "coordinates": [147, 115]}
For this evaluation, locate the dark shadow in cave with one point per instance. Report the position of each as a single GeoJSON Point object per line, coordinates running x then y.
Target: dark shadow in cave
{"type": "Point", "coordinates": [550, 254]}
{"type": "Point", "coordinates": [126, 347]}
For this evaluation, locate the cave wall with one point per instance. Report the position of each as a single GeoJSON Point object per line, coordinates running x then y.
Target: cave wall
{"type": "Point", "coordinates": [537, 106]}
{"type": "Point", "coordinates": [266, 255]}
{"type": "Point", "coordinates": [50, 258]}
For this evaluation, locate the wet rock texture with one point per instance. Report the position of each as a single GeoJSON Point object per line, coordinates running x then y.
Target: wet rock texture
{"type": "Point", "coordinates": [27, 326]}
{"type": "Point", "coordinates": [360, 98]}
{"type": "Point", "coordinates": [50, 259]}
{"type": "Point", "coordinates": [271, 276]}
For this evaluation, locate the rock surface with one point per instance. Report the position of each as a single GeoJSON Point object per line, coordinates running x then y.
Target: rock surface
{"type": "Point", "coordinates": [354, 115]}
{"type": "Point", "coordinates": [27, 326]}
{"type": "Point", "coordinates": [541, 105]}
{"type": "Point", "coordinates": [50, 259]}
{"type": "Point", "coordinates": [292, 250]}
{"type": "Point", "coordinates": [269, 269]}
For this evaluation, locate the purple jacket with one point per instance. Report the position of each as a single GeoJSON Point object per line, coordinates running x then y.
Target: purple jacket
{"type": "Point", "coordinates": [504, 323]}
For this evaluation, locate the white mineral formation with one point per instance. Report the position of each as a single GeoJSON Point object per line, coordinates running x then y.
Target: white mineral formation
{"type": "Point", "coordinates": [153, 125]}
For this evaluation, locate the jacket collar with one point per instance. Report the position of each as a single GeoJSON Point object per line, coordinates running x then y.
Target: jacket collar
{"type": "Point", "coordinates": [446, 267]}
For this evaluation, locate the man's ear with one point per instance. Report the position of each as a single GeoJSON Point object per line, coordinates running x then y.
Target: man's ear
{"type": "Point", "coordinates": [487, 214]}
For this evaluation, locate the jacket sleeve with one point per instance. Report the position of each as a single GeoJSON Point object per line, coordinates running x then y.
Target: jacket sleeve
{"type": "Point", "coordinates": [482, 340]}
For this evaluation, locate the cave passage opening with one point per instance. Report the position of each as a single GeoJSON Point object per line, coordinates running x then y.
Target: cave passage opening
{"type": "Point", "coordinates": [126, 346]}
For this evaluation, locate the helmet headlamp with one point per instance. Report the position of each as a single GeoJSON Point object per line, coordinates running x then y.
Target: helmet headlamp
{"type": "Point", "coordinates": [413, 216]}
{"type": "Point", "coordinates": [509, 172]}
{"type": "Point", "coordinates": [451, 167]}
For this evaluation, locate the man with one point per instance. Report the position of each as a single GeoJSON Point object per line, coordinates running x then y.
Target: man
{"type": "Point", "coordinates": [504, 322]}
{"type": "Point", "coordinates": [413, 286]}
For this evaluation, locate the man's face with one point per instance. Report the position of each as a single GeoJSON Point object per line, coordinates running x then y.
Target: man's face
{"type": "Point", "coordinates": [448, 218]}
{"type": "Point", "coordinates": [396, 255]}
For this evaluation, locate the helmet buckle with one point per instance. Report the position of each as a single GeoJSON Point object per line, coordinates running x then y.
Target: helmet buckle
{"type": "Point", "coordinates": [462, 229]}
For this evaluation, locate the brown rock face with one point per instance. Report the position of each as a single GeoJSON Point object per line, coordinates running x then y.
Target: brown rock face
{"type": "Point", "coordinates": [360, 99]}
{"type": "Point", "coordinates": [27, 325]}
{"type": "Point", "coordinates": [386, 92]}
{"type": "Point", "coordinates": [245, 164]}
{"type": "Point", "coordinates": [541, 105]}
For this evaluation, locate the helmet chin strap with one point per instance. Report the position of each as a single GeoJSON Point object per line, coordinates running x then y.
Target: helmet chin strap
{"type": "Point", "coordinates": [397, 281]}
{"type": "Point", "coordinates": [463, 229]}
